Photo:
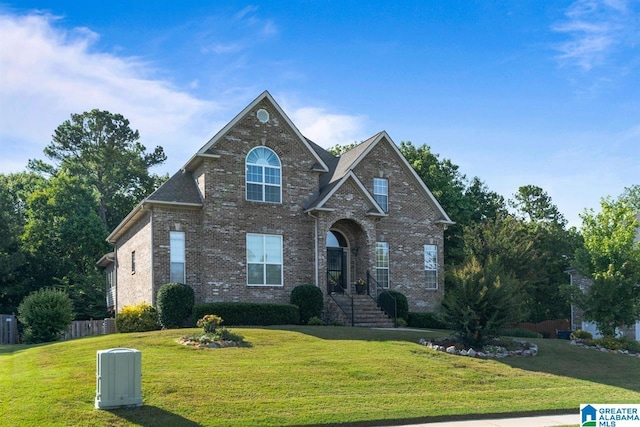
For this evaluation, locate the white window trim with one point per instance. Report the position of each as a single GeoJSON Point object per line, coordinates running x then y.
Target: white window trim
{"type": "Point", "coordinates": [388, 268]}
{"type": "Point", "coordinates": [434, 249]}
{"type": "Point", "coordinates": [184, 256]}
{"type": "Point", "coordinates": [264, 264]}
{"type": "Point", "coordinates": [385, 207]}
{"type": "Point", "coordinates": [263, 184]}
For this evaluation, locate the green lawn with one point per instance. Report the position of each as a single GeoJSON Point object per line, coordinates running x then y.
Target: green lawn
{"type": "Point", "coordinates": [305, 376]}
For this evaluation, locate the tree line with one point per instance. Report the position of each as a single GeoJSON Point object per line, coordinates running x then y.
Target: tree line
{"type": "Point", "coordinates": [513, 252]}
{"type": "Point", "coordinates": [57, 214]}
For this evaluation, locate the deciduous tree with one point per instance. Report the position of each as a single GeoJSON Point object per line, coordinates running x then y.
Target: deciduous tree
{"type": "Point", "coordinates": [611, 257]}
{"type": "Point", "coordinates": [63, 238]}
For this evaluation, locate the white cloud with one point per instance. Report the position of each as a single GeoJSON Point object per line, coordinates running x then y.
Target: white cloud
{"type": "Point", "coordinates": [327, 129]}
{"type": "Point", "coordinates": [595, 30]}
{"type": "Point", "coordinates": [49, 73]}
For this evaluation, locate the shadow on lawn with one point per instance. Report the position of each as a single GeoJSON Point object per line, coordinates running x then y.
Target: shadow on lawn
{"type": "Point", "coordinates": [152, 416]}
{"type": "Point", "coordinates": [559, 357]}
{"type": "Point", "coordinates": [364, 334]}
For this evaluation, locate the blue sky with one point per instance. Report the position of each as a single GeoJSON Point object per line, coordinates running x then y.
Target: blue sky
{"type": "Point", "coordinates": [534, 92]}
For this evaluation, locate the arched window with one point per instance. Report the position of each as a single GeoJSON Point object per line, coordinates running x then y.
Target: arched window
{"type": "Point", "coordinates": [263, 176]}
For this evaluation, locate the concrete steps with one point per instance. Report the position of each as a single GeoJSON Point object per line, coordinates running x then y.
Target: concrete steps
{"type": "Point", "coordinates": [366, 312]}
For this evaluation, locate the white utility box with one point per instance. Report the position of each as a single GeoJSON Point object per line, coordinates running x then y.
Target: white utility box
{"type": "Point", "coordinates": [118, 378]}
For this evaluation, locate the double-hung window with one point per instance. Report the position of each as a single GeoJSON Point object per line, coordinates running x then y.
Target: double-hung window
{"type": "Point", "coordinates": [177, 256]}
{"type": "Point", "coordinates": [264, 260]}
{"type": "Point", "coordinates": [381, 192]}
{"type": "Point", "coordinates": [382, 264]}
{"type": "Point", "coordinates": [263, 176]}
{"type": "Point", "coordinates": [431, 266]}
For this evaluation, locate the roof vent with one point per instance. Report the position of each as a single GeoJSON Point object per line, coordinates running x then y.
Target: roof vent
{"type": "Point", "coordinates": [263, 115]}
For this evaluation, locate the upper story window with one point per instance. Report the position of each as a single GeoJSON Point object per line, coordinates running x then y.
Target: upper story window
{"type": "Point", "coordinates": [381, 192]}
{"type": "Point", "coordinates": [133, 262]}
{"type": "Point", "coordinates": [263, 176]}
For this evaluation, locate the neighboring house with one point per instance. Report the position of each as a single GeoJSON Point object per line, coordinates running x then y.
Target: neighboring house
{"type": "Point", "coordinates": [577, 321]}
{"type": "Point", "coordinates": [260, 209]}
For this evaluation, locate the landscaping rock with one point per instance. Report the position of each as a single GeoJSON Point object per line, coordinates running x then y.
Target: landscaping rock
{"type": "Point", "coordinates": [492, 352]}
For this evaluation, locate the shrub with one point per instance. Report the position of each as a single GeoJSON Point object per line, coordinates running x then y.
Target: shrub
{"type": "Point", "coordinates": [315, 321]}
{"type": "Point", "coordinates": [386, 300]}
{"type": "Point", "coordinates": [401, 323]}
{"type": "Point", "coordinates": [581, 335]}
{"type": "Point", "coordinates": [137, 318]}
{"type": "Point", "coordinates": [175, 304]}
{"type": "Point", "coordinates": [426, 321]}
{"type": "Point", "coordinates": [45, 315]}
{"type": "Point", "coordinates": [520, 333]}
{"type": "Point", "coordinates": [250, 314]}
{"type": "Point", "coordinates": [480, 300]}
{"type": "Point", "coordinates": [209, 323]}
{"type": "Point", "coordinates": [309, 300]}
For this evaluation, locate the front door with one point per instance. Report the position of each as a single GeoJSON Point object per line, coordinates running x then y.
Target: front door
{"type": "Point", "coordinates": [336, 270]}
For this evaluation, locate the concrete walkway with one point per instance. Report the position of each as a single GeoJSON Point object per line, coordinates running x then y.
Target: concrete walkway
{"type": "Point", "coordinates": [539, 421]}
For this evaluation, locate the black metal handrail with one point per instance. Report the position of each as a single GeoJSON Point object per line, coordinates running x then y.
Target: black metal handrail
{"type": "Point", "coordinates": [383, 299]}
{"type": "Point", "coordinates": [340, 306]}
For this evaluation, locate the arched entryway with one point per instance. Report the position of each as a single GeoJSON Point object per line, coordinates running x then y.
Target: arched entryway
{"type": "Point", "coordinates": [337, 262]}
{"type": "Point", "coordinates": [347, 255]}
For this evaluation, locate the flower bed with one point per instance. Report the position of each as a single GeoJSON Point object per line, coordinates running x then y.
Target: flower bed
{"type": "Point", "coordinates": [517, 348]}
{"type": "Point", "coordinates": [590, 344]}
{"type": "Point", "coordinates": [205, 342]}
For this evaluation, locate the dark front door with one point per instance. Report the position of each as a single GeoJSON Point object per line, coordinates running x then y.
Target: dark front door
{"type": "Point", "coordinates": [336, 270]}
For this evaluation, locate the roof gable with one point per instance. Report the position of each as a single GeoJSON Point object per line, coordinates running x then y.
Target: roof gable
{"type": "Point", "coordinates": [320, 202]}
{"type": "Point", "coordinates": [348, 161]}
{"type": "Point", "coordinates": [320, 165]}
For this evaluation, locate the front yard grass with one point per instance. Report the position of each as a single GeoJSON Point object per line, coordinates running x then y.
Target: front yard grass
{"type": "Point", "coordinates": [305, 376]}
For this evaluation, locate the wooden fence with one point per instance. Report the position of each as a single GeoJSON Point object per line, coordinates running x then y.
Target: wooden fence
{"type": "Point", "coordinates": [8, 329]}
{"type": "Point", "coordinates": [85, 328]}
{"type": "Point", "coordinates": [78, 329]}
{"type": "Point", "coordinates": [547, 328]}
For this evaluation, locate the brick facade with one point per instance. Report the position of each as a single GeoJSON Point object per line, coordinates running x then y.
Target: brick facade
{"type": "Point", "coordinates": [207, 202]}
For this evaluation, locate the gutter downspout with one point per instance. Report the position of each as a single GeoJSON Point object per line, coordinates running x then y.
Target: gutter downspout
{"type": "Point", "coordinates": [153, 293]}
{"type": "Point", "coordinates": [315, 243]}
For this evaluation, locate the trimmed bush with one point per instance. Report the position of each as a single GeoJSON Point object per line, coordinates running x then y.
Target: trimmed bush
{"type": "Point", "coordinates": [249, 314]}
{"type": "Point", "coordinates": [45, 315]}
{"type": "Point", "coordinates": [581, 335]}
{"type": "Point", "coordinates": [175, 304]}
{"type": "Point", "coordinates": [315, 321]}
{"type": "Point", "coordinates": [137, 318]}
{"type": "Point", "coordinates": [309, 300]}
{"type": "Point", "coordinates": [520, 333]}
{"type": "Point", "coordinates": [386, 300]}
{"type": "Point", "coordinates": [426, 320]}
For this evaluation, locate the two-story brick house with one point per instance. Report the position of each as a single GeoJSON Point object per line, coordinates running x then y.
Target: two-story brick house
{"type": "Point", "coordinates": [260, 209]}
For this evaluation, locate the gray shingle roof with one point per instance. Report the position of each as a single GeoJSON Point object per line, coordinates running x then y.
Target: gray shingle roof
{"type": "Point", "coordinates": [338, 167]}
{"type": "Point", "coordinates": [180, 188]}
